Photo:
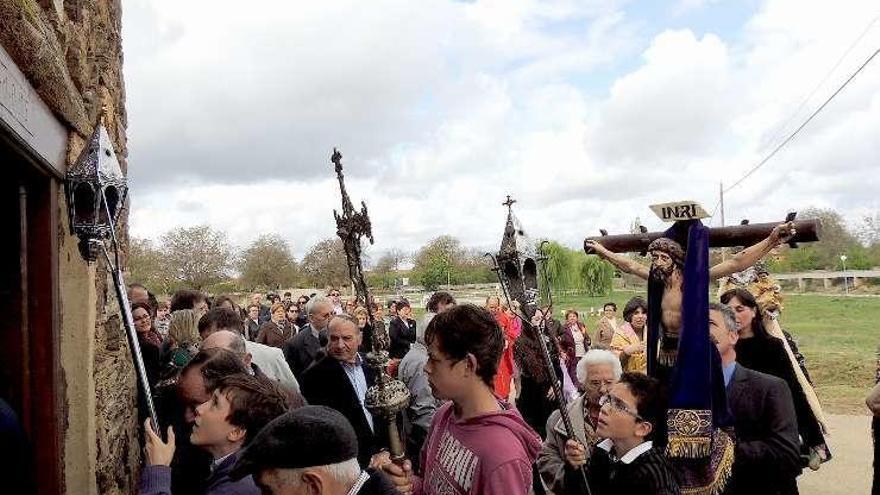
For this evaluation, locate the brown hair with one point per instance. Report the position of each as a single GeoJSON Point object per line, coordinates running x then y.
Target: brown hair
{"type": "Point", "coordinates": [468, 329]}
{"type": "Point", "coordinates": [253, 403]}
{"type": "Point", "coordinates": [219, 319]}
{"type": "Point", "coordinates": [213, 365]}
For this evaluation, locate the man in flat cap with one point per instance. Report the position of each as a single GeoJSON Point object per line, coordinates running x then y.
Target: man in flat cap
{"type": "Point", "coordinates": [311, 450]}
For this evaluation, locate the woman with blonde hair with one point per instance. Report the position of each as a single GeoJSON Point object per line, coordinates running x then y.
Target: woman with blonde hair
{"type": "Point", "coordinates": [183, 335]}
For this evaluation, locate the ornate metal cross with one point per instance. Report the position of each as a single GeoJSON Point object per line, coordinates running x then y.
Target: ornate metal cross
{"type": "Point", "coordinates": [350, 227]}
{"type": "Point", "coordinates": [388, 396]}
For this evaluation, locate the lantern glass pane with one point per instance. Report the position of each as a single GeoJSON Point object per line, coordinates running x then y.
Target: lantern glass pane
{"type": "Point", "coordinates": [84, 204]}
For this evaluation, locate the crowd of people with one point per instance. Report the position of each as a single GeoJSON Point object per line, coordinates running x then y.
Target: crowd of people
{"type": "Point", "coordinates": [272, 396]}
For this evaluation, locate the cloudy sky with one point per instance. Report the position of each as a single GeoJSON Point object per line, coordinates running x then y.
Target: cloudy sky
{"type": "Point", "coordinates": [585, 111]}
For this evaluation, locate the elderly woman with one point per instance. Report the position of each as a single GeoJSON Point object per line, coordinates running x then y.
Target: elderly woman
{"type": "Point", "coordinates": [629, 339]}
{"type": "Point", "coordinates": [277, 331]}
{"type": "Point", "coordinates": [598, 370]}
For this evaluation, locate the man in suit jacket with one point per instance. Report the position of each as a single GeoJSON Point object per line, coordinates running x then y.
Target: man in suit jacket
{"type": "Point", "coordinates": [767, 459]}
{"type": "Point", "coordinates": [306, 346]}
{"type": "Point", "coordinates": [340, 379]}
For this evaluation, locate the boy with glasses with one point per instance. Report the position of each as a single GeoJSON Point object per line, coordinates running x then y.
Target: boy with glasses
{"type": "Point", "coordinates": [626, 461]}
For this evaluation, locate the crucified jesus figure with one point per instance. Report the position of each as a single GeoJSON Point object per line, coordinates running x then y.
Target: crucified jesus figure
{"type": "Point", "coordinates": [667, 263]}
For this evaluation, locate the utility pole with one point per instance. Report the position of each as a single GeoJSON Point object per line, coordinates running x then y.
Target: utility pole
{"type": "Point", "coordinates": [721, 205]}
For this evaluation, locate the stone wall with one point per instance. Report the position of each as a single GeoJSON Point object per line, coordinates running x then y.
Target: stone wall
{"type": "Point", "coordinates": [71, 53]}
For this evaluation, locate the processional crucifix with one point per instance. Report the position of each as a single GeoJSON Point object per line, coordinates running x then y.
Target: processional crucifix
{"type": "Point", "coordinates": [667, 255]}
{"type": "Point", "coordinates": [679, 348]}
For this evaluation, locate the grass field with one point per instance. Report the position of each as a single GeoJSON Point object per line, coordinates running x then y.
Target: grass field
{"type": "Point", "coordinates": [838, 335]}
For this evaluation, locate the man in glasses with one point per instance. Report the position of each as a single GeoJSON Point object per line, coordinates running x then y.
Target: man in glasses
{"type": "Point", "coordinates": [767, 459]}
{"type": "Point", "coordinates": [477, 443]}
{"type": "Point", "coordinates": [626, 461]}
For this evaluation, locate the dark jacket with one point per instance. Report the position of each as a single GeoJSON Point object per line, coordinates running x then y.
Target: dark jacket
{"type": "Point", "coordinates": [377, 484]}
{"type": "Point", "coordinates": [303, 349]}
{"type": "Point", "coordinates": [648, 474]}
{"type": "Point", "coordinates": [15, 455]}
{"type": "Point", "coordinates": [325, 383]}
{"type": "Point", "coordinates": [402, 335]}
{"type": "Point", "coordinates": [767, 355]}
{"type": "Point", "coordinates": [766, 460]}
{"type": "Point", "coordinates": [252, 328]}
{"type": "Point", "coordinates": [156, 480]}
{"type": "Point", "coordinates": [265, 315]}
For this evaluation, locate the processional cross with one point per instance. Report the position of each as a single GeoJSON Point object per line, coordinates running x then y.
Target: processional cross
{"type": "Point", "coordinates": [388, 396]}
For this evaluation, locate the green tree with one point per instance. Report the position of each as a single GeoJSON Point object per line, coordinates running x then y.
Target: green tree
{"type": "Point", "coordinates": [594, 275]}
{"type": "Point", "coordinates": [835, 239]}
{"type": "Point", "coordinates": [435, 263]}
{"type": "Point", "coordinates": [325, 264]}
{"type": "Point", "coordinates": [145, 266]}
{"type": "Point", "coordinates": [474, 267]}
{"type": "Point", "coordinates": [387, 269]}
{"type": "Point", "coordinates": [572, 269]}
{"type": "Point", "coordinates": [267, 263]}
{"type": "Point", "coordinates": [196, 257]}
{"type": "Point", "coordinates": [558, 268]}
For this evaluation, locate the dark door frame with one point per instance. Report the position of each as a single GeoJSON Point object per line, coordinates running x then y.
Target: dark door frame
{"type": "Point", "coordinates": [43, 381]}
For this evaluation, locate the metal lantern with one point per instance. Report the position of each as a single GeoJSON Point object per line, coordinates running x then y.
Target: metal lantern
{"type": "Point", "coordinates": [96, 191]}
{"type": "Point", "coordinates": [517, 261]}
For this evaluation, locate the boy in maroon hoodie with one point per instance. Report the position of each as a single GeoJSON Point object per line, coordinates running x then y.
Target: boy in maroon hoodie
{"type": "Point", "coordinates": [477, 443]}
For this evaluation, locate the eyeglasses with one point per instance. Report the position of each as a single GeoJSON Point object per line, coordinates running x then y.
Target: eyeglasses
{"type": "Point", "coordinates": [334, 294]}
{"type": "Point", "coordinates": [617, 404]}
{"type": "Point", "coordinates": [599, 383]}
{"type": "Point", "coordinates": [142, 317]}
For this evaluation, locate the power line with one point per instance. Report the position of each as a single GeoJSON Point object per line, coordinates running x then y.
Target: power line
{"type": "Point", "coordinates": [804, 124]}
{"type": "Point", "coordinates": [840, 60]}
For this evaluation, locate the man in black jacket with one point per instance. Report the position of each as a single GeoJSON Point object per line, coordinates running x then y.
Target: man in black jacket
{"type": "Point", "coordinates": [306, 346]}
{"type": "Point", "coordinates": [340, 380]}
{"type": "Point", "coordinates": [766, 460]}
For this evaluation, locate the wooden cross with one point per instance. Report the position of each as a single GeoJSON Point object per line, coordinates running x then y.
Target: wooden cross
{"type": "Point", "coordinates": [738, 235]}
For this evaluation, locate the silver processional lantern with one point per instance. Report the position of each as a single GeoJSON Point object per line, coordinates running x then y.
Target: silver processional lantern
{"type": "Point", "coordinates": [96, 191]}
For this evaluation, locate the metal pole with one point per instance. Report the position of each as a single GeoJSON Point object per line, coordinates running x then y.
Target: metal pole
{"type": "Point", "coordinates": [128, 323]}
{"type": "Point", "coordinates": [845, 286]}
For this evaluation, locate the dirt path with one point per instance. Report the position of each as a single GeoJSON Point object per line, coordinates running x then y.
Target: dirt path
{"type": "Point", "coordinates": [850, 470]}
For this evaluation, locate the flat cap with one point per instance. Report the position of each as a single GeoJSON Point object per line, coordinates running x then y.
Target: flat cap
{"type": "Point", "coordinates": [305, 437]}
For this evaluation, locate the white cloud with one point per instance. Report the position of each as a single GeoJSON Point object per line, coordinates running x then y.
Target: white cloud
{"type": "Point", "coordinates": [443, 108]}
